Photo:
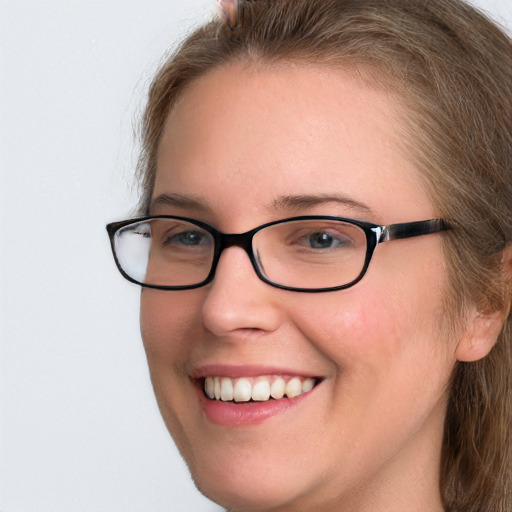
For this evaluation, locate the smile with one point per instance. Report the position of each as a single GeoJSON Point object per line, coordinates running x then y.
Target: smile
{"type": "Point", "coordinates": [256, 389]}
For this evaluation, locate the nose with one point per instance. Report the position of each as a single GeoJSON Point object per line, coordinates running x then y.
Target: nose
{"type": "Point", "coordinates": [237, 300]}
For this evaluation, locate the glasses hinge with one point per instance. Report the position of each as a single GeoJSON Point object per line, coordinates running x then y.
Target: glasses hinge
{"type": "Point", "coordinates": [382, 233]}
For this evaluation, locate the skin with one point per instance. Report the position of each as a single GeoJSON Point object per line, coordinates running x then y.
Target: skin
{"type": "Point", "coordinates": [369, 436]}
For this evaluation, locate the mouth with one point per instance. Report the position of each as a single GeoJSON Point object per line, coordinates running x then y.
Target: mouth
{"type": "Point", "coordinates": [262, 388]}
{"type": "Point", "coordinates": [235, 396]}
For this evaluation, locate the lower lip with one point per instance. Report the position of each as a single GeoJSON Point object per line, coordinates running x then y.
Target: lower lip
{"type": "Point", "coordinates": [246, 414]}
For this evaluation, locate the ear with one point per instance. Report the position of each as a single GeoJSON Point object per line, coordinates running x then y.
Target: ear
{"type": "Point", "coordinates": [483, 328]}
{"type": "Point", "coordinates": [480, 336]}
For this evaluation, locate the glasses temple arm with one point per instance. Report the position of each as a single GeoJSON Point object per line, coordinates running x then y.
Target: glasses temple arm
{"type": "Point", "coordinates": [411, 229]}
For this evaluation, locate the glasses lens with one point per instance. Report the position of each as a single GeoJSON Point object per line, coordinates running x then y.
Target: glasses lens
{"type": "Point", "coordinates": [165, 252]}
{"type": "Point", "coordinates": [311, 254]}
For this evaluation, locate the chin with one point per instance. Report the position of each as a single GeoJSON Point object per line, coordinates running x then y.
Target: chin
{"type": "Point", "coordinates": [257, 495]}
{"type": "Point", "coordinates": [249, 480]}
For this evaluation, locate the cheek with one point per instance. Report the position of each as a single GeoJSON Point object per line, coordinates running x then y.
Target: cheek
{"type": "Point", "coordinates": [394, 322]}
{"type": "Point", "coordinates": [350, 326]}
{"type": "Point", "coordinates": [166, 320]}
{"type": "Point", "coordinates": [167, 326]}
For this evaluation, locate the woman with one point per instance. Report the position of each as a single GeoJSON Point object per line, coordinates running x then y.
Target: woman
{"type": "Point", "coordinates": [327, 263]}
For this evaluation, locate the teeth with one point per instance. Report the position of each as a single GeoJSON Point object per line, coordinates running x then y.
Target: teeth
{"type": "Point", "coordinates": [307, 385]}
{"type": "Point", "coordinates": [259, 389]}
{"type": "Point", "coordinates": [293, 387]}
{"type": "Point", "coordinates": [216, 388]}
{"type": "Point", "coordinates": [226, 389]}
{"type": "Point", "coordinates": [209, 388]}
{"type": "Point", "coordinates": [242, 391]}
{"type": "Point", "coordinates": [278, 388]}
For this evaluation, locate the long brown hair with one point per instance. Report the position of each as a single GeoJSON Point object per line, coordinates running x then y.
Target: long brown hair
{"type": "Point", "coordinates": [452, 67]}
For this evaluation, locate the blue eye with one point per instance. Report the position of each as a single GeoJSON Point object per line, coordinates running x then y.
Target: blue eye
{"type": "Point", "coordinates": [323, 240]}
{"type": "Point", "coordinates": [189, 238]}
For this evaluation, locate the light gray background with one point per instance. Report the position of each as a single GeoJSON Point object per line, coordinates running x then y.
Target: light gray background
{"type": "Point", "coordinates": [79, 428]}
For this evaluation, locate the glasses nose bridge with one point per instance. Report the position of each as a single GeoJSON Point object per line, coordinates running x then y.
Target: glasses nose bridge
{"type": "Point", "coordinates": [242, 240]}
{"type": "Point", "coordinates": [224, 241]}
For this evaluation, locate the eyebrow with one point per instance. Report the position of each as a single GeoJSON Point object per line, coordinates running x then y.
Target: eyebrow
{"type": "Point", "coordinates": [301, 202]}
{"type": "Point", "coordinates": [179, 201]}
{"type": "Point", "coordinates": [279, 204]}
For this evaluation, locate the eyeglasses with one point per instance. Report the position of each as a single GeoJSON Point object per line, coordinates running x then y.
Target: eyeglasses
{"type": "Point", "coordinates": [305, 254]}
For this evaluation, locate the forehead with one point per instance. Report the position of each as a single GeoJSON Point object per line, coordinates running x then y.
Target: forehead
{"type": "Point", "coordinates": [243, 136]}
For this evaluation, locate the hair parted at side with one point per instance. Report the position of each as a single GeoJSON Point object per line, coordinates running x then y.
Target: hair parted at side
{"type": "Point", "coordinates": [452, 68]}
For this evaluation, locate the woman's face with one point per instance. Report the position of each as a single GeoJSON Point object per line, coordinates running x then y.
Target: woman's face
{"type": "Point", "coordinates": [249, 145]}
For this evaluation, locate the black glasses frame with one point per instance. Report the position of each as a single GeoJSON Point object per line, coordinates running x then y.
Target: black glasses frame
{"type": "Point", "coordinates": [375, 234]}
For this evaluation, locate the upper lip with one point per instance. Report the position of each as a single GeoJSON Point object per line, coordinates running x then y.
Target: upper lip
{"type": "Point", "coordinates": [237, 371]}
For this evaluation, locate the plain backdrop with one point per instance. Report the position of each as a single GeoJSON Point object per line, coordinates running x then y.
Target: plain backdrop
{"type": "Point", "coordinates": [79, 427]}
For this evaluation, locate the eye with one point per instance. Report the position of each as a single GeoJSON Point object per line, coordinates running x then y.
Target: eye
{"type": "Point", "coordinates": [187, 238]}
{"type": "Point", "coordinates": [320, 237]}
{"type": "Point", "coordinates": [324, 241]}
